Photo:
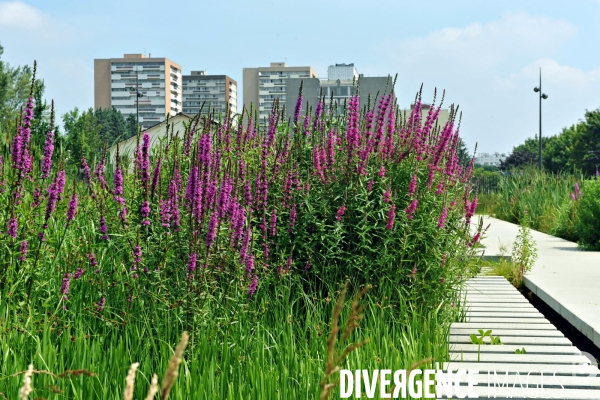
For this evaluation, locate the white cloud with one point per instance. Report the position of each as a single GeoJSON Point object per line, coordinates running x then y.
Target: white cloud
{"type": "Point", "coordinates": [490, 69]}
{"type": "Point", "coordinates": [16, 14]}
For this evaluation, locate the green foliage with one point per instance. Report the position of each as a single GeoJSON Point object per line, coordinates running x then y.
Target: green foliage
{"type": "Point", "coordinates": [587, 211]}
{"type": "Point", "coordinates": [576, 148]}
{"type": "Point", "coordinates": [521, 351]}
{"type": "Point", "coordinates": [270, 222]}
{"type": "Point", "coordinates": [524, 252]}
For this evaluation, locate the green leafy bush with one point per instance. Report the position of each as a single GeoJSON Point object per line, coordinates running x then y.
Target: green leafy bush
{"type": "Point", "coordinates": [587, 222]}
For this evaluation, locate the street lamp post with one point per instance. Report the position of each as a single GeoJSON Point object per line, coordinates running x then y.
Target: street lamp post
{"type": "Point", "coordinates": [137, 99]}
{"type": "Point", "coordinates": [542, 96]}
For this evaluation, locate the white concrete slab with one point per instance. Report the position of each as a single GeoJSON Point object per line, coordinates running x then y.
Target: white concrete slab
{"type": "Point", "coordinates": [491, 325]}
{"type": "Point", "coordinates": [521, 341]}
{"type": "Point", "coordinates": [564, 277]}
{"type": "Point", "coordinates": [520, 358]}
{"type": "Point", "coordinates": [509, 332]}
{"type": "Point", "coordinates": [511, 348]}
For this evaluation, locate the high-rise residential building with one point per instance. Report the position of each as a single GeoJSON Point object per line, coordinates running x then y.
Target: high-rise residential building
{"type": "Point", "coordinates": [263, 85]}
{"type": "Point", "coordinates": [345, 72]}
{"type": "Point", "coordinates": [215, 91]}
{"type": "Point", "coordinates": [337, 89]}
{"type": "Point", "coordinates": [158, 80]}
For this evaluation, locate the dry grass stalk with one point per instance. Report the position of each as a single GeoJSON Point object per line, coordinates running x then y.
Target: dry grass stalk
{"type": "Point", "coordinates": [26, 388]}
{"type": "Point", "coordinates": [173, 368]}
{"type": "Point", "coordinates": [130, 381]}
{"type": "Point", "coordinates": [153, 388]}
{"type": "Point", "coordinates": [332, 365]}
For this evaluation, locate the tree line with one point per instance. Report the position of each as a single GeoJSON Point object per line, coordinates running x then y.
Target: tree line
{"type": "Point", "coordinates": [83, 133]}
{"type": "Point", "coordinates": [575, 148]}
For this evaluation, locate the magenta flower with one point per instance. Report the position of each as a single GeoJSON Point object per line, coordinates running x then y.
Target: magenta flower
{"type": "Point", "coordinates": [391, 217]}
{"type": "Point", "coordinates": [249, 264]}
{"type": "Point", "coordinates": [103, 229]}
{"type": "Point", "coordinates": [253, 285]}
{"type": "Point", "coordinates": [412, 207]}
{"type": "Point", "coordinates": [72, 210]}
{"type": "Point", "coordinates": [100, 304]}
{"type": "Point", "coordinates": [47, 158]}
{"type": "Point", "coordinates": [145, 212]}
{"type": "Point", "coordinates": [118, 183]}
{"type": "Point", "coordinates": [443, 216]}
{"type": "Point", "coordinates": [13, 227]}
{"type": "Point", "coordinates": [64, 288]}
{"type": "Point", "coordinates": [192, 262]}
{"type": "Point", "coordinates": [274, 223]}
{"type": "Point", "coordinates": [100, 174]}
{"type": "Point", "coordinates": [387, 195]}
{"type": "Point", "coordinates": [212, 230]}
{"type": "Point", "coordinates": [412, 188]}
{"type": "Point", "coordinates": [340, 212]}
{"type": "Point", "coordinates": [145, 160]}
{"type": "Point", "coordinates": [77, 274]}
{"type": "Point", "coordinates": [23, 250]}
{"type": "Point", "coordinates": [137, 257]}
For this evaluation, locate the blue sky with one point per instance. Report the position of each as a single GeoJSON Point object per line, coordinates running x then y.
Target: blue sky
{"type": "Point", "coordinates": [485, 54]}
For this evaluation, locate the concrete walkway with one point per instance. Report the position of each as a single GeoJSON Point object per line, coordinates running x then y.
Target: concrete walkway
{"type": "Point", "coordinates": [550, 360]}
{"type": "Point", "coordinates": [564, 277]}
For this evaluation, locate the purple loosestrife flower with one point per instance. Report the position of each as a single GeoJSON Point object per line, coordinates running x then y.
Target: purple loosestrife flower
{"type": "Point", "coordinates": [253, 285]}
{"type": "Point", "coordinates": [192, 263]}
{"type": "Point", "coordinates": [443, 216]}
{"type": "Point", "coordinates": [440, 188]}
{"type": "Point", "coordinates": [382, 172]}
{"type": "Point", "coordinates": [412, 207]}
{"type": "Point", "coordinates": [145, 212]}
{"type": "Point", "coordinates": [212, 230]}
{"type": "Point", "coordinates": [100, 304]}
{"type": "Point", "coordinates": [118, 183]}
{"type": "Point", "coordinates": [47, 158]}
{"type": "Point", "coordinates": [37, 197]}
{"type": "Point", "coordinates": [72, 209]}
{"type": "Point", "coordinates": [54, 193]}
{"type": "Point", "coordinates": [274, 223]}
{"type": "Point", "coordinates": [21, 139]}
{"type": "Point", "coordinates": [245, 245]}
{"type": "Point", "coordinates": [64, 288]}
{"type": "Point", "coordinates": [224, 200]}
{"type": "Point", "coordinates": [387, 195]}
{"type": "Point", "coordinates": [249, 264]}
{"type": "Point", "coordinates": [353, 134]}
{"type": "Point", "coordinates": [318, 113]}
{"type": "Point", "coordinates": [298, 108]}
{"type": "Point", "coordinates": [293, 215]}
{"type": "Point", "coordinates": [370, 185]}
{"type": "Point", "coordinates": [412, 188]}
{"type": "Point", "coordinates": [93, 262]}
{"type": "Point", "coordinates": [190, 190]}
{"type": "Point", "coordinates": [573, 197]}
{"type": "Point", "coordinates": [340, 212]}
{"type": "Point", "coordinates": [103, 229]}
{"type": "Point", "coordinates": [145, 160]}
{"type": "Point", "coordinates": [78, 273]}
{"type": "Point", "coordinates": [23, 250]}
{"type": "Point", "coordinates": [391, 217]}
{"type": "Point", "coordinates": [137, 257]}
{"type": "Point", "coordinates": [431, 176]}
{"type": "Point", "coordinates": [577, 190]}
{"type": "Point", "coordinates": [100, 174]}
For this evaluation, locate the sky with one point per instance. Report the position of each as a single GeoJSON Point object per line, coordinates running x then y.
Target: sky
{"type": "Point", "coordinates": [486, 55]}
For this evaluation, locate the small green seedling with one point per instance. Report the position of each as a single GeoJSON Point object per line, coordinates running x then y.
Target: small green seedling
{"type": "Point", "coordinates": [478, 340]}
{"type": "Point", "coordinates": [521, 351]}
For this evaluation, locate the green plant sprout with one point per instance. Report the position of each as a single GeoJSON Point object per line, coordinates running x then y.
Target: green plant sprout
{"type": "Point", "coordinates": [478, 340]}
{"type": "Point", "coordinates": [521, 351]}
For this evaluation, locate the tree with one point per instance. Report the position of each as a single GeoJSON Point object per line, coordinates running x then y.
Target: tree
{"type": "Point", "coordinates": [82, 135]}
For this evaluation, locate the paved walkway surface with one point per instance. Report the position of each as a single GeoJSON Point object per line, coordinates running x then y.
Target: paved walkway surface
{"type": "Point", "coordinates": [564, 277]}
{"type": "Point", "coordinates": [494, 304]}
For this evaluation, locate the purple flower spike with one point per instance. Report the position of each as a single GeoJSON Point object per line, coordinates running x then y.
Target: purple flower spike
{"type": "Point", "coordinates": [72, 210]}
{"type": "Point", "coordinates": [23, 249]}
{"type": "Point", "coordinates": [100, 304]}
{"type": "Point", "coordinates": [253, 285]}
{"type": "Point", "coordinates": [391, 217]}
{"type": "Point", "coordinates": [47, 159]}
{"type": "Point", "coordinates": [13, 227]}
{"type": "Point", "coordinates": [340, 213]}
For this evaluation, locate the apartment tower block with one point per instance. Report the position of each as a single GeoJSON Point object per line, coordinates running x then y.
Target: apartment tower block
{"type": "Point", "coordinates": [158, 80]}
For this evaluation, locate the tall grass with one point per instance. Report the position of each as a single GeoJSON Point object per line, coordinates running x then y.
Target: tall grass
{"type": "Point", "coordinates": [544, 197]}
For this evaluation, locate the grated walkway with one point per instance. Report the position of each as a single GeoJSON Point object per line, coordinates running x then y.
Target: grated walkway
{"type": "Point", "coordinates": [494, 304]}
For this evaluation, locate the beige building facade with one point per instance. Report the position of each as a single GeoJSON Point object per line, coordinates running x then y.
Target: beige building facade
{"type": "Point", "coordinates": [216, 92]}
{"type": "Point", "coordinates": [158, 79]}
{"type": "Point", "coordinates": [263, 85]}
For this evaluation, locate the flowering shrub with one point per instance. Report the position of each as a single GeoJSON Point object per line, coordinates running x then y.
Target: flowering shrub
{"type": "Point", "coordinates": [372, 195]}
